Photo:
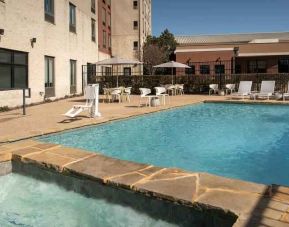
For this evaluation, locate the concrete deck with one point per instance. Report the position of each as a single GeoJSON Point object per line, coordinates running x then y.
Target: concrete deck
{"type": "Point", "coordinates": [47, 118]}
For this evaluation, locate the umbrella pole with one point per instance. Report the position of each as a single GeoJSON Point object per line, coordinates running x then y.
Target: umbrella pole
{"type": "Point", "coordinates": [117, 76]}
{"type": "Point", "coordinates": [172, 76]}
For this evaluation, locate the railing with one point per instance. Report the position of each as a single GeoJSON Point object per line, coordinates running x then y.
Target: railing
{"type": "Point", "coordinates": [24, 96]}
{"type": "Point", "coordinates": [195, 84]}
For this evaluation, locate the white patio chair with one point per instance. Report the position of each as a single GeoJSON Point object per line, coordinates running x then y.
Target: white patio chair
{"type": "Point", "coordinates": [90, 96]}
{"type": "Point", "coordinates": [171, 89]}
{"type": "Point", "coordinates": [106, 93]}
{"type": "Point", "coordinates": [267, 90]}
{"type": "Point", "coordinates": [116, 95]}
{"type": "Point", "coordinates": [244, 90]}
{"type": "Point", "coordinates": [127, 93]}
{"type": "Point", "coordinates": [230, 88]}
{"type": "Point", "coordinates": [213, 88]}
{"type": "Point", "coordinates": [161, 92]}
{"type": "Point", "coordinates": [145, 94]}
{"type": "Point", "coordinates": [286, 94]}
{"type": "Point", "coordinates": [180, 89]}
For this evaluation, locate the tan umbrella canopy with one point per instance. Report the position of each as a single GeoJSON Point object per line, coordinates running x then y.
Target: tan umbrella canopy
{"type": "Point", "coordinates": [172, 65]}
{"type": "Point", "coordinates": [115, 61]}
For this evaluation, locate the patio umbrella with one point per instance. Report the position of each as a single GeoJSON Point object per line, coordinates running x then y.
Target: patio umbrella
{"type": "Point", "coordinates": [172, 65]}
{"type": "Point", "coordinates": [115, 61]}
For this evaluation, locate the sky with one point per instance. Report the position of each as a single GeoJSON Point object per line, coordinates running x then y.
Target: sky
{"type": "Point", "coordinates": [194, 17]}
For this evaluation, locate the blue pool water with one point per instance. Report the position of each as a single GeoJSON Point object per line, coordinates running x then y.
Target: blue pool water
{"type": "Point", "coordinates": [248, 142]}
{"type": "Point", "coordinates": [27, 202]}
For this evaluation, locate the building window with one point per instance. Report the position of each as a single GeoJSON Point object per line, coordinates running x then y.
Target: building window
{"type": "Point", "coordinates": [135, 45]}
{"type": "Point", "coordinates": [104, 39]}
{"type": "Point", "coordinates": [13, 69]}
{"type": "Point", "coordinates": [204, 69]}
{"type": "Point", "coordinates": [49, 72]}
{"type": "Point", "coordinates": [135, 25]}
{"type": "Point", "coordinates": [109, 41]}
{"type": "Point", "coordinates": [49, 10]}
{"type": "Point", "coordinates": [127, 71]}
{"type": "Point", "coordinates": [219, 69]}
{"type": "Point", "coordinates": [190, 71]}
{"type": "Point", "coordinates": [283, 66]}
{"type": "Point", "coordinates": [103, 16]}
{"type": "Point", "coordinates": [93, 6]}
{"type": "Point", "coordinates": [109, 3]}
{"type": "Point", "coordinates": [257, 66]}
{"type": "Point", "coordinates": [93, 35]}
{"type": "Point", "coordinates": [72, 76]}
{"type": "Point", "coordinates": [106, 71]}
{"type": "Point", "coordinates": [72, 18]}
{"type": "Point", "coordinates": [109, 21]}
{"type": "Point", "coordinates": [135, 4]}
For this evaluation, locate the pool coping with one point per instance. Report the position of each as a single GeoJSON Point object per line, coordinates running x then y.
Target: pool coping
{"type": "Point", "coordinates": [202, 191]}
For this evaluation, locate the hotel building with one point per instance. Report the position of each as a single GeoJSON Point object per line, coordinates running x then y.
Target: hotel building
{"type": "Point", "coordinates": [45, 43]}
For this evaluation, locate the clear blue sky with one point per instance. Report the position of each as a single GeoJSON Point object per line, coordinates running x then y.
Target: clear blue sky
{"type": "Point", "coordinates": [189, 17]}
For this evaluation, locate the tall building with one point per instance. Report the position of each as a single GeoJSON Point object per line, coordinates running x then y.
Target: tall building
{"type": "Point", "coordinates": [131, 24]}
{"type": "Point", "coordinates": [45, 43]}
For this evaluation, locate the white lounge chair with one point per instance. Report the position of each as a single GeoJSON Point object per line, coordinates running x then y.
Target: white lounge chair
{"type": "Point", "coordinates": [267, 90]}
{"type": "Point", "coordinates": [145, 94]}
{"type": "Point", "coordinates": [286, 94]}
{"type": "Point", "coordinates": [244, 90]}
{"type": "Point", "coordinates": [230, 88]}
{"type": "Point", "coordinates": [89, 94]}
{"type": "Point", "coordinates": [214, 88]}
{"type": "Point", "coordinates": [161, 92]}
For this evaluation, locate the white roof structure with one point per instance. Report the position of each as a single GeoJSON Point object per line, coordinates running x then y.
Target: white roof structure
{"type": "Point", "coordinates": [118, 61]}
{"type": "Point", "coordinates": [172, 64]}
{"type": "Point", "coordinates": [233, 38]}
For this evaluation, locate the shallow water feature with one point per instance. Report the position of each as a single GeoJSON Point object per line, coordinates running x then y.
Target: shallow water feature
{"type": "Point", "coordinates": [249, 142]}
{"type": "Point", "coordinates": [26, 202]}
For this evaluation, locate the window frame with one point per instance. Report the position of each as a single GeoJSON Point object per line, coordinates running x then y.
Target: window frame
{"type": "Point", "coordinates": [73, 77]}
{"type": "Point", "coordinates": [72, 24]}
{"type": "Point", "coordinates": [135, 6]}
{"type": "Point", "coordinates": [135, 47]}
{"type": "Point", "coordinates": [13, 65]}
{"type": "Point", "coordinates": [93, 6]}
{"type": "Point", "coordinates": [204, 71]}
{"type": "Point", "coordinates": [49, 16]}
{"type": "Point", "coordinates": [93, 30]}
{"type": "Point", "coordinates": [129, 71]}
{"type": "Point", "coordinates": [279, 65]}
{"type": "Point", "coordinates": [135, 25]}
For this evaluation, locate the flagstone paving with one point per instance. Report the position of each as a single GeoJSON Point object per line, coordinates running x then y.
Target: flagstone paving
{"type": "Point", "coordinates": [254, 204]}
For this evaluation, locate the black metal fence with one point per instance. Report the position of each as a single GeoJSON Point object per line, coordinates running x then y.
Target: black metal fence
{"type": "Point", "coordinates": [194, 84]}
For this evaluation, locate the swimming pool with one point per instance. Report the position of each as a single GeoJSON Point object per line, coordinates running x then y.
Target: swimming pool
{"type": "Point", "coordinates": [248, 142]}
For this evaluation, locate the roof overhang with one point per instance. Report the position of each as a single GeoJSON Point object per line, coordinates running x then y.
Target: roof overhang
{"type": "Point", "coordinates": [203, 50]}
{"type": "Point", "coordinates": [262, 54]}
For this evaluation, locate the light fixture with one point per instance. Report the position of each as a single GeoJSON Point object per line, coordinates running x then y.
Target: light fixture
{"type": "Point", "coordinates": [33, 41]}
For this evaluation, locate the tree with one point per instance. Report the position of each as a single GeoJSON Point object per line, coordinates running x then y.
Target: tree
{"type": "Point", "coordinates": [152, 55]}
{"type": "Point", "coordinates": [158, 50]}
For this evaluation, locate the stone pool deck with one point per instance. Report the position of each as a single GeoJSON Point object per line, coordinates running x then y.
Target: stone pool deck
{"type": "Point", "coordinates": [254, 204]}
